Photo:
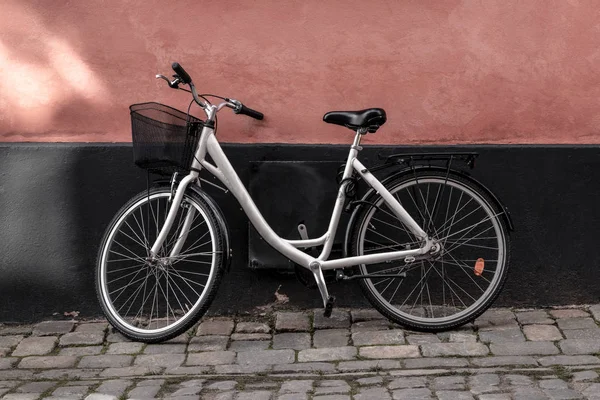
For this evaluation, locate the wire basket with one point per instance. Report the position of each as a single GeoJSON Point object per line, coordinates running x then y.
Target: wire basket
{"type": "Point", "coordinates": [164, 139]}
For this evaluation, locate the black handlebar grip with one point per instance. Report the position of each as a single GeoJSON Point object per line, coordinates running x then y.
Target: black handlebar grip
{"type": "Point", "coordinates": [251, 113]}
{"type": "Point", "coordinates": [185, 78]}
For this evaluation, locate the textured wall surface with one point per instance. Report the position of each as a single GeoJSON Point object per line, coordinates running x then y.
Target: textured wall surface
{"type": "Point", "coordinates": [453, 71]}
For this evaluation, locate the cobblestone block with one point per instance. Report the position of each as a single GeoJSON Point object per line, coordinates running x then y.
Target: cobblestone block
{"type": "Point", "coordinates": [47, 328]}
{"type": "Point", "coordinates": [160, 360]}
{"type": "Point", "coordinates": [582, 334]}
{"type": "Point", "coordinates": [164, 348]}
{"type": "Point", "coordinates": [250, 336]}
{"type": "Point", "coordinates": [77, 392]}
{"type": "Point", "coordinates": [21, 396]}
{"type": "Point", "coordinates": [379, 352]}
{"type": "Point", "coordinates": [542, 333]}
{"type": "Point", "coordinates": [568, 360]}
{"type": "Point", "coordinates": [36, 387]}
{"type": "Point", "coordinates": [10, 341]}
{"type": "Point", "coordinates": [420, 363]}
{"type": "Point", "coordinates": [242, 368]}
{"type": "Point", "coordinates": [211, 358]}
{"type": "Point", "coordinates": [252, 327]}
{"type": "Point", "coordinates": [374, 380]}
{"type": "Point", "coordinates": [296, 386]}
{"type": "Point", "coordinates": [583, 376]}
{"type": "Point", "coordinates": [339, 319]}
{"type": "Point", "coordinates": [291, 340]}
{"type": "Point", "coordinates": [125, 348]}
{"type": "Point", "coordinates": [292, 322]}
{"type": "Point", "coordinates": [460, 337]}
{"type": "Point", "coordinates": [44, 362]}
{"type": "Point", "coordinates": [568, 313]}
{"type": "Point", "coordinates": [576, 323]}
{"type": "Point", "coordinates": [331, 338]}
{"type": "Point", "coordinates": [114, 336]}
{"type": "Point", "coordinates": [523, 349]}
{"type": "Point", "coordinates": [253, 395]}
{"type": "Point", "coordinates": [412, 394]}
{"type": "Point", "coordinates": [266, 357]}
{"type": "Point", "coordinates": [7, 363]}
{"type": "Point", "coordinates": [538, 317]}
{"type": "Point", "coordinates": [501, 361]}
{"type": "Point", "coordinates": [395, 336]}
{"type": "Point", "coordinates": [484, 383]}
{"type": "Point", "coordinates": [509, 335]}
{"type": "Point", "coordinates": [116, 387]}
{"type": "Point", "coordinates": [327, 354]}
{"type": "Point", "coordinates": [422, 339]}
{"type": "Point", "coordinates": [449, 383]}
{"type": "Point", "coordinates": [208, 343]}
{"type": "Point", "coordinates": [143, 392]}
{"type": "Point", "coordinates": [574, 346]}
{"type": "Point", "coordinates": [412, 382]}
{"type": "Point", "coordinates": [243, 345]}
{"type": "Point", "coordinates": [367, 314]}
{"type": "Point", "coordinates": [372, 393]}
{"type": "Point", "coordinates": [331, 387]}
{"type": "Point", "coordinates": [105, 361]}
{"type": "Point", "coordinates": [595, 310]}
{"type": "Point", "coordinates": [222, 385]}
{"type": "Point", "coordinates": [369, 326]}
{"type": "Point", "coordinates": [81, 338]}
{"type": "Point", "coordinates": [454, 349]}
{"type": "Point", "coordinates": [33, 346]}
{"type": "Point", "coordinates": [80, 351]}
{"type": "Point", "coordinates": [92, 327]}
{"type": "Point", "coordinates": [16, 330]}
{"type": "Point", "coordinates": [217, 327]}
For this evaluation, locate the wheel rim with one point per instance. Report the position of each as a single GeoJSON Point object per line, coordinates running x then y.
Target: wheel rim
{"type": "Point", "coordinates": [151, 298]}
{"type": "Point", "coordinates": [446, 289]}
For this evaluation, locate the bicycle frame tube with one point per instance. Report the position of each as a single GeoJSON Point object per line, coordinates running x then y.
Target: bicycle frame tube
{"type": "Point", "coordinates": [224, 171]}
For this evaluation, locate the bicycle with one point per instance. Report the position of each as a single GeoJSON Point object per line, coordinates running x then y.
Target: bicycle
{"type": "Point", "coordinates": [164, 253]}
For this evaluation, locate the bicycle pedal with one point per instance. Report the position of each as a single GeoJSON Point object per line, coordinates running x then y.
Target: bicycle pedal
{"type": "Point", "coordinates": [329, 306]}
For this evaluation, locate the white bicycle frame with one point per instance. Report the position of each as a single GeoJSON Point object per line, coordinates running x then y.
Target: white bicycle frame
{"type": "Point", "coordinates": [223, 170]}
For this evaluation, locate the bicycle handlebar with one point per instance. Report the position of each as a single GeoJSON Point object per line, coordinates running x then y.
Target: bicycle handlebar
{"type": "Point", "coordinates": [185, 77]}
{"type": "Point", "coordinates": [249, 112]}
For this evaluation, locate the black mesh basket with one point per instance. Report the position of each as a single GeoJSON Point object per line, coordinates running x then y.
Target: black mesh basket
{"type": "Point", "coordinates": [164, 139]}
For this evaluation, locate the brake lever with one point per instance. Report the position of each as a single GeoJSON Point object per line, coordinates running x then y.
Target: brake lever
{"type": "Point", "coordinates": [172, 84]}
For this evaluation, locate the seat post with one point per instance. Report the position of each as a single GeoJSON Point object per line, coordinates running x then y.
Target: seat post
{"type": "Point", "coordinates": [357, 138]}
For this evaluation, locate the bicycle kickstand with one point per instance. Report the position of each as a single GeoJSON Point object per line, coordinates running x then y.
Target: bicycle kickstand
{"type": "Point", "coordinates": [328, 300]}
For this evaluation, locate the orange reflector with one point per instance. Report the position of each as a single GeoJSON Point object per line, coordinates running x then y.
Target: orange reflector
{"type": "Point", "coordinates": [479, 265]}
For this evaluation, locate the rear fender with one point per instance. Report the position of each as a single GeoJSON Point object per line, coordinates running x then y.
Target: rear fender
{"type": "Point", "coordinates": [367, 199]}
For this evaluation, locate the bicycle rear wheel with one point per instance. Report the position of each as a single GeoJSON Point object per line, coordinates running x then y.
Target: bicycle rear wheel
{"type": "Point", "coordinates": [155, 300]}
{"type": "Point", "coordinates": [457, 284]}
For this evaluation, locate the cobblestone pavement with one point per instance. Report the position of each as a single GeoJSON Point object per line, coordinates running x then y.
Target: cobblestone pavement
{"type": "Point", "coordinates": [356, 354]}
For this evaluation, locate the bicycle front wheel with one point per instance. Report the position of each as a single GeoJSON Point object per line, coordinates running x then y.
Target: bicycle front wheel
{"type": "Point", "coordinates": [457, 284]}
{"type": "Point", "coordinates": [152, 300]}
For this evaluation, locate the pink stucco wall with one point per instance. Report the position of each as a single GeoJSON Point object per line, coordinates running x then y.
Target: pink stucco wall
{"type": "Point", "coordinates": [452, 71]}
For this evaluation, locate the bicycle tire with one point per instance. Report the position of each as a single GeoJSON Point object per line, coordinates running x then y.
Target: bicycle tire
{"type": "Point", "coordinates": [137, 211]}
{"type": "Point", "coordinates": [424, 318]}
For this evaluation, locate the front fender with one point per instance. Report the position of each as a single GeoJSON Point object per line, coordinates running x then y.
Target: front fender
{"type": "Point", "coordinates": [218, 214]}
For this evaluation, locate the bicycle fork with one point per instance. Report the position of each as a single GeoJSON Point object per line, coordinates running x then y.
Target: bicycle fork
{"type": "Point", "coordinates": [189, 218]}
